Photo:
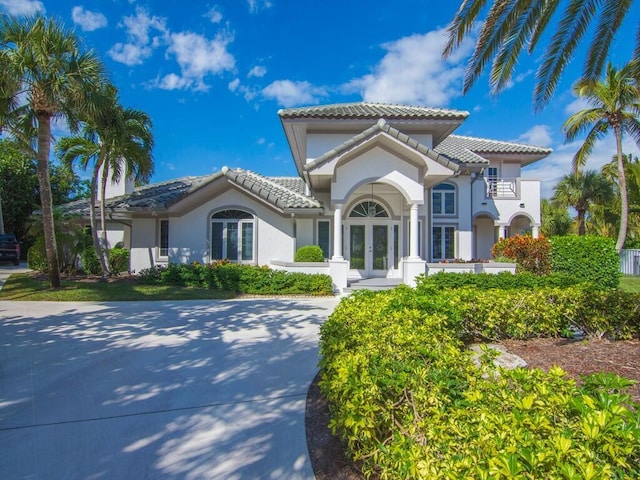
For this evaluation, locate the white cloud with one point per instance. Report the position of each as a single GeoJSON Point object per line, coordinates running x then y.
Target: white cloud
{"type": "Point", "coordinates": [214, 14]}
{"type": "Point", "coordinates": [550, 170]}
{"type": "Point", "coordinates": [413, 72]}
{"type": "Point", "coordinates": [130, 54]}
{"type": "Point", "coordinates": [197, 57]}
{"type": "Point", "coordinates": [576, 105]}
{"type": "Point", "coordinates": [88, 20]}
{"type": "Point", "coordinates": [539, 135]}
{"type": "Point", "coordinates": [234, 84]}
{"type": "Point", "coordinates": [256, 6]}
{"type": "Point", "coordinates": [257, 71]}
{"type": "Point", "coordinates": [22, 7]}
{"type": "Point", "coordinates": [140, 28]}
{"type": "Point", "coordinates": [288, 93]}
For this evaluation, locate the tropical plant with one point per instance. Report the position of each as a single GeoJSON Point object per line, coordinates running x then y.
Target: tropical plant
{"type": "Point", "coordinates": [610, 213]}
{"type": "Point", "coordinates": [510, 27]}
{"type": "Point", "coordinates": [46, 74]}
{"type": "Point", "coordinates": [555, 220]}
{"type": "Point", "coordinates": [615, 105]}
{"type": "Point", "coordinates": [581, 190]}
{"type": "Point", "coordinates": [117, 141]}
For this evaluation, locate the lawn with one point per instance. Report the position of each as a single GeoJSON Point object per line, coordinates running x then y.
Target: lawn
{"type": "Point", "coordinates": [629, 283]}
{"type": "Point", "coordinates": [30, 288]}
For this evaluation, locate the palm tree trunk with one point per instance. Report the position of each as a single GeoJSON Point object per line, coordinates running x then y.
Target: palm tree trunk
{"type": "Point", "coordinates": [624, 198]}
{"type": "Point", "coordinates": [104, 258]}
{"type": "Point", "coordinates": [92, 216]}
{"type": "Point", "coordinates": [46, 200]}
{"type": "Point", "coordinates": [581, 226]}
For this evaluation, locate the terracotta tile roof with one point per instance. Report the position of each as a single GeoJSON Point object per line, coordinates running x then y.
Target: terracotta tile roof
{"type": "Point", "coordinates": [372, 110]}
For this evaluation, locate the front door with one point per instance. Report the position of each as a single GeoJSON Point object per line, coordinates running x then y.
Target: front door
{"type": "Point", "coordinates": [369, 249]}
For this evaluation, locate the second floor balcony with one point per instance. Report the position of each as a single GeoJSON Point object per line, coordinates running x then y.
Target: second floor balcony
{"type": "Point", "coordinates": [502, 187]}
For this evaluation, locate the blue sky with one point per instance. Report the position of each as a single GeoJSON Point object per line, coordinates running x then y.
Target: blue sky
{"type": "Point", "coordinates": [212, 75]}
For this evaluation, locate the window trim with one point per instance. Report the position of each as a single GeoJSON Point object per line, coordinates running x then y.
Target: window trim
{"type": "Point", "coordinates": [442, 228]}
{"type": "Point", "coordinates": [442, 193]}
{"type": "Point", "coordinates": [329, 239]}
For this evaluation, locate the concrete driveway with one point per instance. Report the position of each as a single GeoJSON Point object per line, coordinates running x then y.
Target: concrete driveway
{"type": "Point", "coordinates": [157, 390]}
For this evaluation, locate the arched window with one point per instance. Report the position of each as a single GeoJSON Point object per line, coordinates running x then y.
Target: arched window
{"type": "Point", "coordinates": [232, 236]}
{"type": "Point", "coordinates": [368, 209]}
{"type": "Point", "coordinates": [444, 199]}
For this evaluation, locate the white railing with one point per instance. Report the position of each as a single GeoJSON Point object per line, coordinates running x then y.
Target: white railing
{"type": "Point", "coordinates": [502, 187]}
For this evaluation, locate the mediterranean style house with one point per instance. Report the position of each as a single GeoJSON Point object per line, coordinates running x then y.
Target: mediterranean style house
{"type": "Point", "coordinates": [384, 190]}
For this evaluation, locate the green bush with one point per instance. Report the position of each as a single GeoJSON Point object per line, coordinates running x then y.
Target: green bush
{"type": "Point", "coordinates": [232, 277]}
{"type": "Point", "coordinates": [485, 281]}
{"type": "Point", "coordinates": [409, 403]}
{"type": "Point", "coordinates": [588, 258]}
{"type": "Point", "coordinates": [90, 262]}
{"type": "Point", "coordinates": [118, 260]}
{"type": "Point", "coordinates": [309, 253]}
{"type": "Point", "coordinates": [36, 256]}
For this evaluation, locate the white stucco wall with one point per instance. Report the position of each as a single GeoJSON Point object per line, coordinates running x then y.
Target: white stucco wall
{"type": "Point", "coordinates": [143, 243]}
{"type": "Point", "coordinates": [320, 143]}
{"type": "Point", "coordinates": [503, 209]}
{"type": "Point", "coordinates": [115, 233]}
{"type": "Point", "coordinates": [485, 234]}
{"type": "Point", "coordinates": [305, 232]}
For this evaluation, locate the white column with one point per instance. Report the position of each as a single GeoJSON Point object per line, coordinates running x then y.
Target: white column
{"type": "Point", "coordinates": [413, 232]}
{"type": "Point", "coordinates": [534, 232]}
{"type": "Point", "coordinates": [337, 233]}
{"type": "Point", "coordinates": [502, 232]}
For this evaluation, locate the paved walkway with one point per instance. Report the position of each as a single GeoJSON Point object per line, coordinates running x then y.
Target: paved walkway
{"type": "Point", "coordinates": [157, 390]}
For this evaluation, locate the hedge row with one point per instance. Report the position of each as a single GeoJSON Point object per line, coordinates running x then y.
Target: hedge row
{"type": "Point", "coordinates": [589, 257]}
{"type": "Point", "coordinates": [236, 278]}
{"type": "Point", "coordinates": [410, 404]}
{"type": "Point", "coordinates": [503, 280]}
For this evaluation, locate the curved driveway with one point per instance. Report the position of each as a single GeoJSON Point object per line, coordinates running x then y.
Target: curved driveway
{"type": "Point", "coordinates": [157, 390]}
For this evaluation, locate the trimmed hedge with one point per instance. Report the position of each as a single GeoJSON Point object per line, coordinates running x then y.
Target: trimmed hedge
{"type": "Point", "coordinates": [485, 281]}
{"type": "Point", "coordinates": [409, 403]}
{"type": "Point", "coordinates": [309, 253]}
{"type": "Point", "coordinates": [236, 278]}
{"type": "Point", "coordinates": [588, 258]}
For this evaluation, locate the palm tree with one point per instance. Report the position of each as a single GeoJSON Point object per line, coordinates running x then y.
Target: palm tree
{"type": "Point", "coordinates": [118, 142]}
{"type": "Point", "coordinates": [581, 190]}
{"type": "Point", "coordinates": [615, 105]}
{"type": "Point", "coordinates": [511, 26]}
{"type": "Point", "coordinates": [57, 79]}
{"type": "Point", "coordinates": [555, 220]}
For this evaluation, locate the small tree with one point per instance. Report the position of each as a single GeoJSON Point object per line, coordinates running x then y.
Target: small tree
{"type": "Point", "coordinates": [530, 254]}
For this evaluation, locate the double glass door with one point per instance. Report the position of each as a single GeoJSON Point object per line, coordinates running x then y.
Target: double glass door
{"type": "Point", "coordinates": [372, 248]}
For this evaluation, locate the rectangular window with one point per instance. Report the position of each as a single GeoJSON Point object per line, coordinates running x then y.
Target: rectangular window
{"type": "Point", "coordinates": [449, 203]}
{"type": "Point", "coordinates": [396, 246]}
{"type": "Point", "coordinates": [492, 181]}
{"type": "Point", "coordinates": [217, 240]}
{"type": "Point", "coordinates": [164, 238]}
{"type": "Point", "coordinates": [444, 243]}
{"type": "Point", "coordinates": [324, 237]}
{"type": "Point", "coordinates": [247, 241]}
{"type": "Point", "coordinates": [232, 241]}
{"type": "Point", "coordinates": [437, 203]}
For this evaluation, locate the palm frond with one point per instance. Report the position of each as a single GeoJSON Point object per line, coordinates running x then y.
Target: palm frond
{"type": "Point", "coordinates": [462, 24]}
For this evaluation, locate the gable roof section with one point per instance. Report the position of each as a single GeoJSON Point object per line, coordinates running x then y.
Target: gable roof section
{"type": "Point", "coordinates": [284, 193]}
{"type": "Point", "coordinates": [362, 110]}
{"type": "Point", "coordinates": [381, 126]}
{"type": "Point", "coordinates": [469, 150]}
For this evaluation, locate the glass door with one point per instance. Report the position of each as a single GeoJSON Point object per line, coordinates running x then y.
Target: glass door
{"type": "Point", "coordinates": [357, 246]}
{"type": "Point", "coordinates": [379, 248]}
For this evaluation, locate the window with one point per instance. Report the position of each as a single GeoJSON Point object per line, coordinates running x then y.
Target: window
{"type": "Point", "coordinates": [323, 237]}
{"type": "Point", "coordinates": [368, 209]}
{"type": "Point", "coordinates": [232, 236]}
{"type": "Point", "coordinates": [444, 199]}
{"type": "Point", "coordinates": [443, 246]}
{"type": "Point", "coordinates": [492, 181]}
{"type": "Point", "coordinates": [164, 238]}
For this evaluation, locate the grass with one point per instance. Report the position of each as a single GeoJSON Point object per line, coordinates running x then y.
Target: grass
{"type": "Point", "coordinates": [29, 288]}
{"type": "Point", "coordinates": [629, 283]}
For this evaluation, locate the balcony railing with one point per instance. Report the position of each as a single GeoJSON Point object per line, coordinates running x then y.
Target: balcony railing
{"type": "Point", "coordinates": [502, 187]}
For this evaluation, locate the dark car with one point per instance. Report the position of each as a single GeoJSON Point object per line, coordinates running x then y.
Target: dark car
{"type": "Point", "coordinates": [9, 248]}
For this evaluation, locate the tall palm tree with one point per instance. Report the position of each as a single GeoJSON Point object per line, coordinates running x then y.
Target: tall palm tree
{"type": "Point", "coordinates": [580, 190]}
{"type": "Point", "coordinates": [615, 105]}
{"type": "Point", "coordinates": [57, 79]}
{"type": "Point", "coordinates": [511, 26]}
{"type": "Point", "coordinates": [118, 142]}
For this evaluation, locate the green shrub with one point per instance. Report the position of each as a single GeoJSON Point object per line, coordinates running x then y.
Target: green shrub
{"type": "Point", "coordinates": [309, 253]}
{"type": "Point", "coordinates": [118, 260]}
{"type": "Point", "coordinates": [152, 275]}
{"type": "Point", "coordinates": [588, 258]}
{"type": "Point", "coordinates": [409, 403]}
{"type": "Point", "coordinates": [503, 280]}
{"type": "Point", "coordinates": [90, 262]}
{"type": "Point", "coordinates": [36, 256]}
{"type": "Point", "coordinates": [530, 254]}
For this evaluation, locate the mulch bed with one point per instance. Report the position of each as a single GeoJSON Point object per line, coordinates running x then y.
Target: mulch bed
{"type": "Point", "coordinates": [574, 356]}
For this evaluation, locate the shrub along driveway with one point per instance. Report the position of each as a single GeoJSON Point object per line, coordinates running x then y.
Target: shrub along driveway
{"type": "Point", "coordinates": [172, 390]}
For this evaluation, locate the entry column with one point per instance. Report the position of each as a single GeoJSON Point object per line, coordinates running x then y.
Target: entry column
{"type": "Point", "coordinates": [337, 233]}
{"type": "Point", "coordinates": [338, 266]}
{"type": "Point", "coordinates": [413, 233]}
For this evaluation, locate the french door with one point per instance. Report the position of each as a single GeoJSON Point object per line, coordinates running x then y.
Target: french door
{"type": "Point", "coordinates": [372, 248]}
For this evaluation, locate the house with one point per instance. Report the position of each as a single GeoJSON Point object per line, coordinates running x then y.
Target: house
{"type": "Point", "coordinates": [382, 189]}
